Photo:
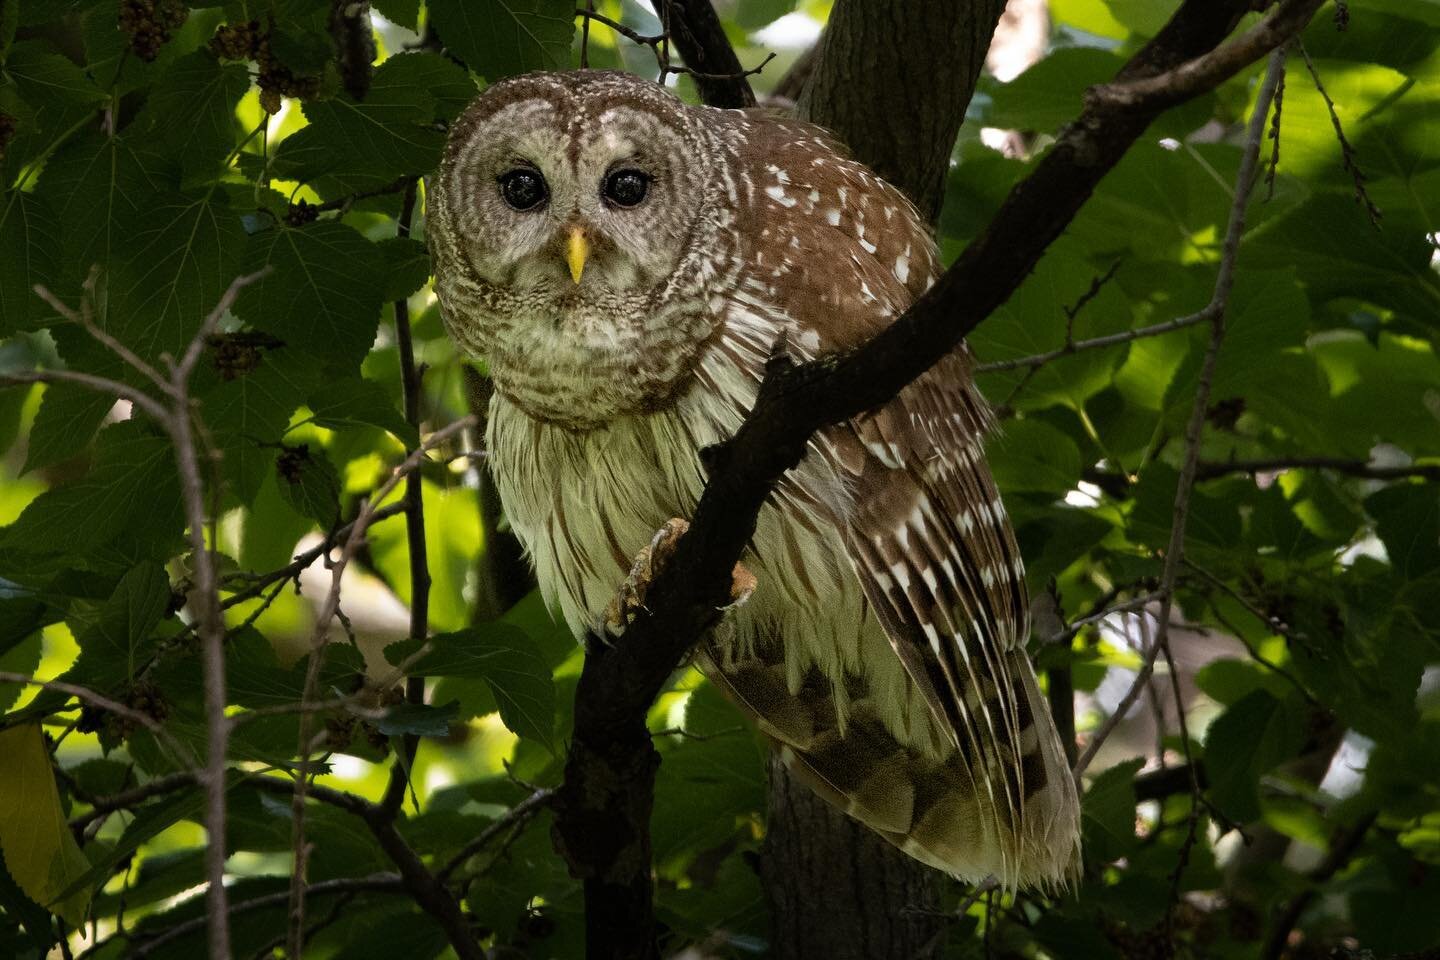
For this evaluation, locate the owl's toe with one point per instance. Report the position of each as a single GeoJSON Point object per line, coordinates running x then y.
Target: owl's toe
{"type": "Point", "coordinates": [629, 600]}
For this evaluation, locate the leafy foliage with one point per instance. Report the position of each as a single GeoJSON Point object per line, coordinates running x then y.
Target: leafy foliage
{"type": "Point", "coordinates": [141, 176]}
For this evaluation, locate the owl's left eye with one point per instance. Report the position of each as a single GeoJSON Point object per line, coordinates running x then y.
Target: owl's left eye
{"type": "Point", "coordinates": [625, 188]}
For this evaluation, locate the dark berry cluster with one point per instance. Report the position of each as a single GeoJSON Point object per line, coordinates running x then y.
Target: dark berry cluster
{"type": "Point", "coordinates": [233, 355]}
{"type": "Point", "coordinates": [150, 23]}
{"type": "Point", "coordinates": [249, 41]}
{"type": "Point", "coordinates": [301, 213]}
{"type": "Point", "coordinates": [143, 698]}
{"type": "Point", "coordinates": [292, 462]}
{"type": "Point", "coordinates": [235, 41]}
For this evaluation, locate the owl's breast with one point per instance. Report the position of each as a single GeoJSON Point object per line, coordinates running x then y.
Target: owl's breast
{"type": "Point", "coordinates": [581, 360]}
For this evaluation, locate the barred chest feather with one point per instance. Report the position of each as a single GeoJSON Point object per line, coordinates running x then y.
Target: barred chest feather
{"type": "Point", "coordinates": [583, 503]}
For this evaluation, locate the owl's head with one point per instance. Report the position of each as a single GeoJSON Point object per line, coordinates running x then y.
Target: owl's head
{"type": "Point", "coordinates": [569, 212]}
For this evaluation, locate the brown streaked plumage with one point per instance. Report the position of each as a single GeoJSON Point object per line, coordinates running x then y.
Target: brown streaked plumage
{"type": "Point", "coordinates": [883, 648]}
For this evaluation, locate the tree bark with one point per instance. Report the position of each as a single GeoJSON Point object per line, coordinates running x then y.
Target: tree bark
{"type": "Point", "coordinates": [892, 81]}
{"type": "Point", "coordinates": [836, 890]}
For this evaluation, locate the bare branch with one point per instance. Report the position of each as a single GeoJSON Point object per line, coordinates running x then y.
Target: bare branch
{"type": "Point", "coordinates": [1096, 343]}
{"type": "Point", "coordinates": [1208, 70]}
{"type": "Point", "coordinates": [514, 817]}
{"type": "Point", "coordinates": [722, 85]}
{"type": "Point", "coordinates": [101, 806]}
{"type": "Point", "coordinates": [1211, 469]}
{"type": "Point", "coordinates": [89, 381]}
{"type": "Point", "coordinates": [375, 883]}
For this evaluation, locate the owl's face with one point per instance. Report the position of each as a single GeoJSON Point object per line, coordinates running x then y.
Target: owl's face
{"type": "Point", "coordinates": [564, 221]}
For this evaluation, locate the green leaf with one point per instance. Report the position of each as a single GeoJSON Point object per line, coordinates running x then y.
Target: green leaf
{"type": "Point", "coordinates": [43, 74]}
{"type": "Point", "coordinates": [405, 13]}
{"type": "Point", "coordinates": [1250, 738]}
{"type": "Point", "coordinates": [407, 266]}
{"type": "Point", "coordinates": [1408, 522]}
{"type": "Point", "coordinates": [249, 405]}
{"type": "Point", "coordinates": [500, 655]}
{"type": "Point", "coordinates": [322, 294]}
{"type": "Point", "coordinates": [40, 852]}
{"type": "Point", "coordinates": [19, 653]}
{"type": "Point", "coordinates": [360, 402]}
{"type": "Point", "coordinates": [132, 490]}
{"type": "Point", "coordinates": [170, 270]}
{"type": "Point", "coordinates": [501, 38]}
{"type": "Point", "coordinates": [1229, 681]}
{"type": "Point", "coordinates": [1107, 813]}
{"type": "Point", "coordinates": [754, 14]}
{"type": "Point", "coordinates": [99, 188]}
{"type": "Point", "coordinates": [21, 908]}
{"type": "Point", "coordinates": [390, 134]}
{"type": "Point", "coordinates": [419, 719]}
{"type": "Point", "coordinates": [1030, 455]}
{"type": "Point", "coordinates": [1050, 93]}
{"type": "Point", "coordinates": [1328, 241]}
{"type": "Point", "coordinates": [308, 482]}
{"type": "Point", "coordinates": [65, 424]}
{"type": "Point", "coordinates": [1034, 320]}
{"type": "Point", "coordinates": [112, 639]}
{"type": "Point", "coordinates": [191, 111]}
{"type": "Point", "coordinates": [29, 255]}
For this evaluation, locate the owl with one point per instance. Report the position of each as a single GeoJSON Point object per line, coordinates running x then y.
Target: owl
{"type": "Point", "coordinates": [625, 264]}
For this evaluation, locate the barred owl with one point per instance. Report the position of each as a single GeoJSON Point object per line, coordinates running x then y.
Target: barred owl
{"type": "Point", "coordinates": [625, 263]}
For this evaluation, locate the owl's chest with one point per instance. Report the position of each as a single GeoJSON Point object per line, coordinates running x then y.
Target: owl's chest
{"type": "Point", "coordinates": [584, 503]}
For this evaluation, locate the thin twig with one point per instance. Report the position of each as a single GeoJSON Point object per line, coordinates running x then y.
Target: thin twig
{"type": "Point", "coordinates": [90, 382]}
{"type": "Point", "coordinates": [133, 797]}
{"type": "Point", "coordinates": [318, 645]}
{"type": "Point", "coordinates": [375, 883]}
{"type": "Point", "coordinates": [513, 817]}
{"type": "Point", "coordinates": [1096, 343]}
{"type": "Point", "coordinates": [1224, 282]}
{"type": "Point", "coordinates": [659, 46]}
{"type": "Point", "coordinates": [1347, 149]}
{"type": "Point", "coordinates": [1364, 469]}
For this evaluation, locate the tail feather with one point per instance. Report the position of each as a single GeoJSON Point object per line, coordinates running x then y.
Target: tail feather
{"type": "Point", "coordinates": [940, 807]}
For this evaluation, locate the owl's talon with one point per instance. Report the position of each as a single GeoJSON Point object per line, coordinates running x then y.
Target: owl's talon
{"type": "Point", "coordinates": [629, 600]}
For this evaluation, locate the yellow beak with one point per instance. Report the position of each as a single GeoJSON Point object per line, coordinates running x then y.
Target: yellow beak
{"type": "Point", "coordinates": [577, 249]}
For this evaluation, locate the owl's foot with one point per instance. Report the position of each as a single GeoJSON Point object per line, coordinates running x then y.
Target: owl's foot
{"type": "Point", "coordinates": [630, 598]}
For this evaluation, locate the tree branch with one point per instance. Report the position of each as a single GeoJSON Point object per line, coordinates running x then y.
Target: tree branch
{"type": "Point", "coordinates": [604, 805]}
{"type": "Point", "coordinates": [1211, 469]}
{"type": "Point", "coordinates": [410, 376]}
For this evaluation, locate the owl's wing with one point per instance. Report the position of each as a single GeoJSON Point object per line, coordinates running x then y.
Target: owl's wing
{"type": "Point", "coordinates": [926, 532]}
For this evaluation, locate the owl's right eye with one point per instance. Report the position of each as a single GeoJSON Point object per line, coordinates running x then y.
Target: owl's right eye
{"type": "Point", "coordinates": [523, 189]}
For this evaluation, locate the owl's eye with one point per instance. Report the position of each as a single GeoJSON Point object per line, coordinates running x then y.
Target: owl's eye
{"type": "Point", "coordinates": [523, 189]}
{"type": "Point", "coordinates": [625, 188]}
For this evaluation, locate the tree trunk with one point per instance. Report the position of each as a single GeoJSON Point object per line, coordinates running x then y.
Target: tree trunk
{"type": "Point", "coordinates": [892, 79]}
{"type": "Point", "coordinates": [836, 890]}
